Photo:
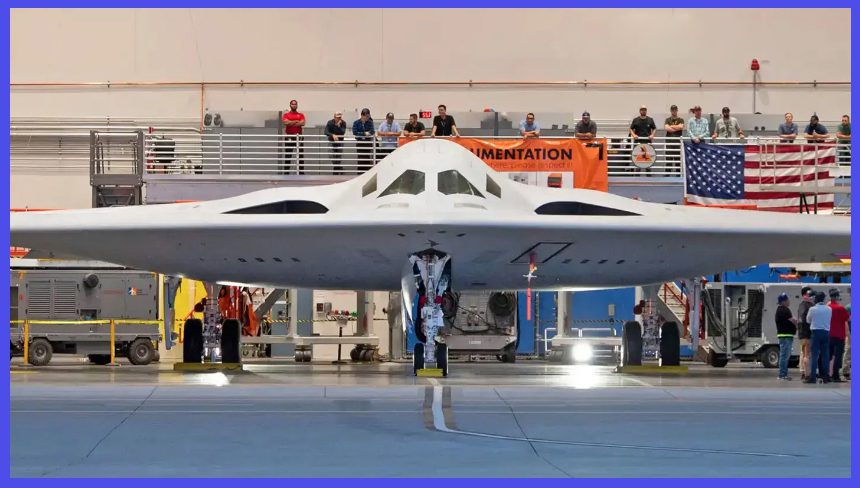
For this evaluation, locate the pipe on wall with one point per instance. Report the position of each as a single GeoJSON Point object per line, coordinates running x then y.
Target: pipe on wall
{"type": "Point", "coordinates": [470, 83]}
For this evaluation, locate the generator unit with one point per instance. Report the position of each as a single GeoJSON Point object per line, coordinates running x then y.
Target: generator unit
{"type": "Point", "coordinates": [68, 296]}
{"type": "Point", "coordinates": [482, 322]}
{"type": "Point", "coordinates": [738, 320]}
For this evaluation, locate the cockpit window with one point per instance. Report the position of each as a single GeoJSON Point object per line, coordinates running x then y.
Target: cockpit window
{"type": "Point", "coordinates": [411, 182]}
{"type": "Point", "coordinates": [451, 182]}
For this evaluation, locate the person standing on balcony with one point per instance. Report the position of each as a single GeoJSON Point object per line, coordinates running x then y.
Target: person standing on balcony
{"type": "Point", "coordinates": [335, 129]}
{"type": "Point", "coordinates": [843, 137]}
{"type": "Point", "coordinates": [697, 127]}
{"type": "Point", "coordinates": [727, 127]}
{"type": "Point", "coordinates": [389, 131]}
{"type": "Point", "coordinates": [803, 332]}
{"type": "Point", "coordinates": [642, 130]}
{"type": "Point", "coordinates": [413, 129]}
{"type": "Point", "coordinates": [293, 121]}
{"type": "Point", "coordinates": [529, 128]}
{"type": "Point", "coordinates": [674, 126]}
{"type": "Point", "coordinates": [815, 132]}
{"type": "Point", "coordinates": [788, 129]}
{"type": "Point", "coordinates": [363, 131]}
{"type": "Point", "coordinates": [643, 127]}
{"type": "Point", "coordinates": [585, 128]}
{"type": "Point", "coordinates": [444, 125]}
{"type": "Point", "coordinates": [786, 328]}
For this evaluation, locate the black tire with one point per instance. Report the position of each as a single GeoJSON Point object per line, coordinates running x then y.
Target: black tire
{"type": "Point", "coordinates": [100, 359]}
{"type": "Point", "coordinates": [794, 362]}
{"type": "Point", "coordinates": [717, 360]}
{"type": "Point", "coordinates": [509, 354]}
{"type": "Point", "coordinates": [140, 352]}
{"type": "Point", "coordinates": [230, 332]}
{"type": "Point", "coordinates": [567, 356]}
{"type": "Point", "coordinates": [670, 345]}
{"type": "Point", "coordinates": [770, 357]}
{"type": "Point", "coordinates": [192, 346]}
{"type": "Point", "coordinates": [418, 358]}
{"type": "Point", "coordinates": [354, 354]}
{"type": "Point", "coordinates": [40, 352]}
{"type": "Point", "coordinates": [631, 344]}
{"type": "Point", "coordinates": [442, 357]}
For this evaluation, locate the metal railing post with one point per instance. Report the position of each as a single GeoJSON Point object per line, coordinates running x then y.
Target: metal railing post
{"type": "Point", "coordinates": [113, 344]}
{"type": "Point", "coordinates": [139, 157]}
{"type": "Point", "coordinates": [27, 342]}
{"type": "Point", "coordinates": [92, 155]}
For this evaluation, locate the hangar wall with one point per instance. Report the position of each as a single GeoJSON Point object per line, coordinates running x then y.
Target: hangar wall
{"type": "Point", "coordinates": [67, 45]}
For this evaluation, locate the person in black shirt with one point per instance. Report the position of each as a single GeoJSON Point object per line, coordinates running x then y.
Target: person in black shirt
{"type": "Point", "coordinates": [334, 131]}
{"type": "Point", "coordinates": [413, 129]}
{"type": "Point", "coordinates": [643, 127]}
{"type": "Point", "coordinates": [786, 327]}
{"type": "Point", "coordinates": [674, 126]}
{"type": "Point", "coordinates": [444, 125]}
{"type": "Point", "coordinates": [804, 334]}
{"type": "Point", "coordinates": [642, 130]}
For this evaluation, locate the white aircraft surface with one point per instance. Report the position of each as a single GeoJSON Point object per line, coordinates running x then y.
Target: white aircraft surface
{"type": "Point", "coordinates": [429, 219]}
{"type": "Point", "coordinates": [432, 195]}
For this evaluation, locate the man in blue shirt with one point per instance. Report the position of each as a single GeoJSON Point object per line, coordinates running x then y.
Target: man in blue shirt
{"type": "Point", "coordinates": [815, 132]}
{"type": "Point", "coordinates": [389, 131]}
{"type": "Point", "coordinates": [819, 323]}
{"type": "Point", "coordinates": [697, 126]}
{"type": "Point", "coordinates": [788, 129]}
{"type": "Point", "coordinates": [363, 131]}
{"type": "Point", "coordinates": [529, 128]}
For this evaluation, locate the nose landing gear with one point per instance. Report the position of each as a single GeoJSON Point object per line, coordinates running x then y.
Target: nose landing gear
{"type": "Point", "coordinates": [428, 281]}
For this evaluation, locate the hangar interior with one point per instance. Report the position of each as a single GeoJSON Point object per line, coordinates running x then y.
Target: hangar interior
{"type": "Point", "coordinates": [169, 113]}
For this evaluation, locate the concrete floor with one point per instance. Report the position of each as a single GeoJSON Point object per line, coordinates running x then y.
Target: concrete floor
{"type": "Point", "coordinates": [528, 419]}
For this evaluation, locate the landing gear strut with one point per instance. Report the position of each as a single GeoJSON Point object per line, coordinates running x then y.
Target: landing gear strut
{"type": "Point", "coordinates": [427, 282]}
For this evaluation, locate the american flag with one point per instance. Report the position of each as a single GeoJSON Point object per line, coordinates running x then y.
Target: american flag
{"type": "Point", "coordinates": [734, 174]}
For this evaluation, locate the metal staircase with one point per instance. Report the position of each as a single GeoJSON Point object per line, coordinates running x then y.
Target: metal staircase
{"type": "Point", "coordinates": [672, 304]}
{"type": "Point", "coordinates": [116, 168]}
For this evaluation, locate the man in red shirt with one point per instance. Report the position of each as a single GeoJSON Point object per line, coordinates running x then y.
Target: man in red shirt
{"type": "Point", "coordinates": [293, 123]}
{"type": "Point", "coordinates": [838, 327]}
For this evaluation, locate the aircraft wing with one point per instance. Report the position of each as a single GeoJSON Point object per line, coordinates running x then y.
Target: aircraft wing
{"type": "Point", "coordinates": [432, 194]}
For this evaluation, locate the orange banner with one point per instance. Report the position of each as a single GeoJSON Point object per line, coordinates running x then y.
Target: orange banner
{"type": "Point", "coordinates": [544, 162]}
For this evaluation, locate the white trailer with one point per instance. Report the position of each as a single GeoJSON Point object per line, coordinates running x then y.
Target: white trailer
{"type": "Point", "coordinates": [747, 311]}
